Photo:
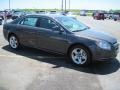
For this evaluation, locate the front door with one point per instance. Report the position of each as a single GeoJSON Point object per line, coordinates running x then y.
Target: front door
{"type": "Point", "coordinates": [49, 35]}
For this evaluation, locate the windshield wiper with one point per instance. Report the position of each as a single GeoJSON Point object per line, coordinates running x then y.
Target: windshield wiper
{"type": "Point", "coordinates": [77, 30]}
{"type": "Point", "coordinates": [81, 29]}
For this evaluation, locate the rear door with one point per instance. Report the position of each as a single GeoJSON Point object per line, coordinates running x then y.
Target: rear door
{"type": "Point", "coordinates": [27, 31]}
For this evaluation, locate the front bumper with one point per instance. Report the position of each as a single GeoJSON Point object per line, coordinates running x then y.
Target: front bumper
{"type": "Point", "coordinates": [103, 55]}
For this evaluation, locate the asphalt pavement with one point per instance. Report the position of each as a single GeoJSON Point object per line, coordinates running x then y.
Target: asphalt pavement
{"type": "Point", "coordinates": [31, 69]}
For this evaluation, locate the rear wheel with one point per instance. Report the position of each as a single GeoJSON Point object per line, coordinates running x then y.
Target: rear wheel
{"type": "Point", "coordinates": [14, 42]}
{"type": "Point", "coordinates": [79, 55]}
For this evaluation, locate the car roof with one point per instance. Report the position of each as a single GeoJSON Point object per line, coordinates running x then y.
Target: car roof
{"type": "Point", "coordinates": [45, 15]}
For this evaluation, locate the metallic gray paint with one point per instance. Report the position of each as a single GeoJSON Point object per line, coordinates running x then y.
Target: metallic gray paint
{"type": "Point", "coordinates": [58, 41]}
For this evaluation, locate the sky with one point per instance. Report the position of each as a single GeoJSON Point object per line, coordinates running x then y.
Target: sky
{"type": "Point", "coordinates": [52, 4]}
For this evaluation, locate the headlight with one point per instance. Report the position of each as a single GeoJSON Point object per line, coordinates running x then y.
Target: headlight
{"type": "Point", "coordinates": [104, 45]}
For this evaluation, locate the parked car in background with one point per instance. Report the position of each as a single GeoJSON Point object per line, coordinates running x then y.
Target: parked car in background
{"type": "Point", "coordinates": [116, 16]}
{"type": "Point", "coordinates": [67, 13]}
{"type": "Point", "coordinates": [63, 35]}
{"type": "Point", "coordinates": [62, 13]}
{"type": "Point", "coordinates": [71, 14]}
{"type": "Point", "coordinates": [83, 13]}
{"type": "Point", "coordinates": [30, 12]}
{"type": "Point", "coordinates": [8, 13]}
{"type": "Point", "coordinates": [98, 16]}
{"type": "Point", "coordinates": [2, 14]}
{"type": "Point", "coordinates": [40, 12]}
{"type": "Point", "coordinates": [18, 14]}
{"type": "Point", "coordinates": [53, 12]}
{"type": "Point", "coordinates": [110, 15]}
{"type": "Point", "coordinates": [113, 16]}
{"type": "Point", "coordinates": [106, 15]}
{"type": "Point", "coordinates": [1, 21]}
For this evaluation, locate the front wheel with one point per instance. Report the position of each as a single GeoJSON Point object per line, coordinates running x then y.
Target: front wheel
{"type": "Point", "coordinates": [79, 55]}
{"type": "Point", "coordinates": [14, 42]}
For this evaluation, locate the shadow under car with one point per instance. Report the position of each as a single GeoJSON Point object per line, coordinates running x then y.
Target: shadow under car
{"type": "Point", "coordinates": [101, 68]}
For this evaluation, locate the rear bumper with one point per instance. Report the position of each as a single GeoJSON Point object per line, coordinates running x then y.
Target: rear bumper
{"type": "Point", "coordinates": [5, 33]}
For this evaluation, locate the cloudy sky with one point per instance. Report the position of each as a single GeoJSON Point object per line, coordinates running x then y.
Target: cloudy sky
{"type": "Point", "coordinates": [51, 4]}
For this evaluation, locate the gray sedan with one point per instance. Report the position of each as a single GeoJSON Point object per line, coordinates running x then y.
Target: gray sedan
{"type": "Point", "coordinates": [63, 35]}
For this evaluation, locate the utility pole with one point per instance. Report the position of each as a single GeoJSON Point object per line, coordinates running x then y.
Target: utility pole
{"type": "Point", "coordinates": [69, 5]}
{"type": "Point", "coordinates": [9, 4]}
{"type": "Point", "coordinates": [62, 5]}
{"type": "Point", "coordinates": [65, 5]}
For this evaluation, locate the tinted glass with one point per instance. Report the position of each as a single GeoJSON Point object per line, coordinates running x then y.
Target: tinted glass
{"type": "Point", "coordinates": [29, 21]}
{"type": "Point", "coordinates": [71, 24]}
{"type": "Point", "coordinates": [46, 23]}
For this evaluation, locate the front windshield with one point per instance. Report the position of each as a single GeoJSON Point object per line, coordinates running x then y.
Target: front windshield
{"type": "Point", "coordinates": [71, 24]}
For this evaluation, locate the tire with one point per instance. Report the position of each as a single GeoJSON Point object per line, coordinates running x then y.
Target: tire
{"type": "Point", "coordinates": [2, 17]}
{"type": "Point", "coordinates": [14, 42]}
{"type": "Point", "coordinates": [115, 19]}
{"type": "Point", "coordinates": [79, 55]}
{"type": "Point", "coordinates": [0, 23]}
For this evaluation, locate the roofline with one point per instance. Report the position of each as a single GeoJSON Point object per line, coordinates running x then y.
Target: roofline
{"type": "Point", "coordinates": [46, 15]}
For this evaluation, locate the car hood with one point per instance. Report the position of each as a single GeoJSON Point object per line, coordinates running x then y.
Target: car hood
{"type": "Point", "coordinates": [96, 35]}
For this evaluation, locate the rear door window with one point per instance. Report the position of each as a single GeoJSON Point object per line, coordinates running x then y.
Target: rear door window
{"type": "Point", "coordinates": [29, 21]}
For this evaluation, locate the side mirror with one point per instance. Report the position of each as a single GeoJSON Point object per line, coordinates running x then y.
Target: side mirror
{"type": "Point", "coordinates": [61, 29]}
{"type": "Point", "coordinates": [57, 28]}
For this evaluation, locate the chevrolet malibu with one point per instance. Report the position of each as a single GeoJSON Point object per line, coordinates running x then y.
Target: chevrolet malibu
{"type": "Point", "coordinates": [63, 35]}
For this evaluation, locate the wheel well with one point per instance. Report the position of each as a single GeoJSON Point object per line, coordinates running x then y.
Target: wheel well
{"type": "Point", "coordinates": [10, 35]}
{"type": "Point", "coordinates": [80, 45]}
